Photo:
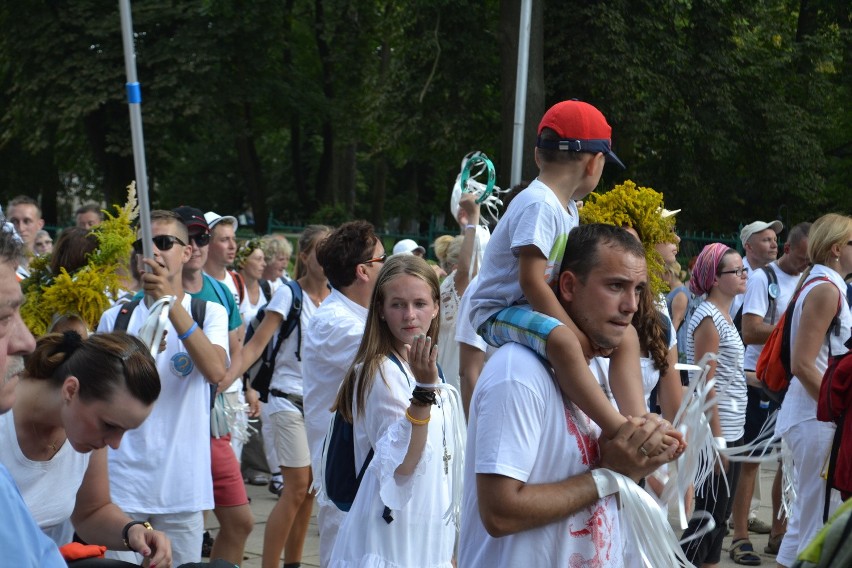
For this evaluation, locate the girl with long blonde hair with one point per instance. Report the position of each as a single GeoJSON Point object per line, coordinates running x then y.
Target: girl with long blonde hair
{"type": "Point", "coordinates": [400, 409]}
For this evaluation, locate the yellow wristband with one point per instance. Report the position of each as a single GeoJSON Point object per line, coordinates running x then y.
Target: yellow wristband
{"type": "Point", "coordinates": [415, 421]}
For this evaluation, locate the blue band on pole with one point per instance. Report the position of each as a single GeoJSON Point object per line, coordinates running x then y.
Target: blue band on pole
{"type": "Point", "coordinates": [134, 93]}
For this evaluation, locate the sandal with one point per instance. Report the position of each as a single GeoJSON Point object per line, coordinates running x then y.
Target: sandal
{"type": "Point", "coordinates": [774, 544]}
{"type": "Point", "coordinates": [742, 552]}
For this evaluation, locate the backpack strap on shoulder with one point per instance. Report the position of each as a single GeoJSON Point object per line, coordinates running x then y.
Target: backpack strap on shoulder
{"type": "Point", "coordinates": [198, 310]}
{"type": "Point", "coordinates": [266, 287]}
{"type": "Point", "coordinates": [771, 292]}
{"type": "Point", "coordinates": [241, 285]}
{"type": "Point", "coordinates": [123, 318]}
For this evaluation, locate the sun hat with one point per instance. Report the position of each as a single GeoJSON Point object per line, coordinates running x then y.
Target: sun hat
{"type": "Point", "coordinates": [757, 227]}
{"type": "Point", "coordinates": [214, 219]}
{"type": "Point", "coordinates": [407, 246]}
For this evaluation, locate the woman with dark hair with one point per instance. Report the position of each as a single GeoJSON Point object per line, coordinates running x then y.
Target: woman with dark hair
{"type": "Point", "coordinates": [75, 398]}
{"type": "Point", "coordinates": [719, 276]}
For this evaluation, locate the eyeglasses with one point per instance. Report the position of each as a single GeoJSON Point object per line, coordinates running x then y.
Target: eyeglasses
{"type": "Point", "coordinates": [743, 271]}
{"type": "Point", "coordinates": [162, 242]}
{"type": "Point", "coordinates": [382, 258]}
{"type": "Point", "coordinates": [201, 239]}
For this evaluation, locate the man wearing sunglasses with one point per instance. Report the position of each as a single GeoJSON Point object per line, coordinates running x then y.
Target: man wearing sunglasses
{"type": "Point", "coordinates": [351, 257]}
{"type": "Point", "coordinates": [163, 467]}
{"type": "Point", "coordinates": [229, 494]}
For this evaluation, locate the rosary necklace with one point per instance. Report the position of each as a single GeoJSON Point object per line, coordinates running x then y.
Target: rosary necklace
{"type": "Point", "coordinates": [447, 456]}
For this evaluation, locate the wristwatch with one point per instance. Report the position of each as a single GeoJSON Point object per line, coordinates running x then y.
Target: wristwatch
{"type": "Point", "coordinates": [126, 529]}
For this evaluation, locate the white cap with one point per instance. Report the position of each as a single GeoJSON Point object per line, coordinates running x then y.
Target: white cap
{"type": "Point", "coordinates": [757, 227]}
{"type": "Point", "coordinates": [407, 246]}
{"type": "Point", "coordinates": [214, 218]}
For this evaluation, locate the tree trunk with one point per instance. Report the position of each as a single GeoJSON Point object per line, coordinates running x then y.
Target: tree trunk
{"type": "Point", "coordinates": [250, 167]}
{"type": "Point", "coordinates": [117, 171]}
{"type": "Point", "coordinates": [325, 172]}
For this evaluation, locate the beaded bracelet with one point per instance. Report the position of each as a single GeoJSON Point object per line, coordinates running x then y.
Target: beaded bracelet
{"type": "Point", "coordinates": [416, 421]}
{"type": "Point", "coordinates": [426, 396]}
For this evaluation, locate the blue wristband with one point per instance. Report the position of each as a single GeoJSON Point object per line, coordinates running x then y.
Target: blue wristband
{"type": "Point", "coordinates": [188, 332]}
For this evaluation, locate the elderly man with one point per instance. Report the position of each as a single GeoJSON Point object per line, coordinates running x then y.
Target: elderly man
{"type": "Point", "coordinates": [532, 496]}
{"type": "Point", "coordinates": [22, 542]}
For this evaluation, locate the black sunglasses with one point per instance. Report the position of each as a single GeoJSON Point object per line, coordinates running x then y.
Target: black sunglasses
{"type": "Point", "coordinates": [162, 242]}
{"type": "Point", "coordinates": [201, 239]}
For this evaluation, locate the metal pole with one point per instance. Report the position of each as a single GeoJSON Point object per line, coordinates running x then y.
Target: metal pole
{"type": "Point", "coordinates": [521, 90]}
{"type": "Point", "coordinates": [134, 102]}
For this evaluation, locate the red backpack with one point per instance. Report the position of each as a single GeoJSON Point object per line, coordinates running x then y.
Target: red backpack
{"type": "Point", "coordinates": [835, 398]}
{"type": "Point", "coordinates": [773, 366]}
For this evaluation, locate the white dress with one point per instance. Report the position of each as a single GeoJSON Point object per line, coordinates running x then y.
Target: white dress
{"type": "Point", "coordinates": [418, 536]}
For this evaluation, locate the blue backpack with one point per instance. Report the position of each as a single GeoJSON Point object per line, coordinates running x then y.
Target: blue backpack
{"type": "Point", "coordinates": [261, 374]}
{"type": "Point", "coordinates": [340, 480]}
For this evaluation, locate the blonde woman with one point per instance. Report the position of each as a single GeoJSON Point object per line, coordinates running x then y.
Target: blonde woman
{"type": "Point", "coordinates": [821, 324]}
{"type": "Point", "coordinates": [391, 396]}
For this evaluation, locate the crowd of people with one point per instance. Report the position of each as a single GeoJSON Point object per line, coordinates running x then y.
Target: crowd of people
{"type": "Point", "coordinates": [506, 405]}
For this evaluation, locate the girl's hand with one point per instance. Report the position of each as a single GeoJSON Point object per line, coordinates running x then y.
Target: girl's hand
{"type": "Point", "coordinates": [422, 357]}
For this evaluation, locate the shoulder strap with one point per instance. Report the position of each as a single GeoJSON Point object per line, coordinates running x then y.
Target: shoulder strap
{"type": "Point", "coordinates": [291, 322]}
{"type": "Point", "coordinates": [198, 310]}
{"type": "Point", "coordinates": [221, 292]}
{"type": "Point", "coordinates": [786, 350]}
{"type": "Point", "coordinates": [771, 279]}
{"type": "Point", "coordinates": [238, 281]}
{"type": "Point", "coordinates": [123, 317]}
{"type": "Point", "coordinates": [266, 287]}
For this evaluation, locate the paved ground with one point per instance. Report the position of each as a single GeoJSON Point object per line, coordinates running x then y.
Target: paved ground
{"type": "Point", "coordinates": [263, 500]}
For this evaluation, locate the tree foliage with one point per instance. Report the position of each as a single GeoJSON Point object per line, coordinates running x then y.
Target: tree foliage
{"type": "Point", "coordinates": [320, 109]}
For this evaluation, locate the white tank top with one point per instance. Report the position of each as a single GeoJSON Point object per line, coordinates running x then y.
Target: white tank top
{"type": "Point", "coordinates": [49, 487]}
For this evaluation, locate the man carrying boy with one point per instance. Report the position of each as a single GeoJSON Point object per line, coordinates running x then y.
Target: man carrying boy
{"type": "Point", "coordinates": [532, 495]}
{"type": "Point", "coordinates": [515, 300]}
{"type": "Point", "coordinates": [161, 472]}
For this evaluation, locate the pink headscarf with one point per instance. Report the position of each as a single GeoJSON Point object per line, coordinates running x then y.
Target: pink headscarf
{"type": "Point", "coordinates": [706, 266]}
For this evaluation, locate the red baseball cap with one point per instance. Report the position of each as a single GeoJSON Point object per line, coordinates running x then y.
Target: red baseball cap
{"type": "Point", "coordinates": [581, 128]}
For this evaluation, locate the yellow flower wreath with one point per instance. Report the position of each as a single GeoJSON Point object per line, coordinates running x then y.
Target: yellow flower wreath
{"type": "Point", "coordinates": [627, 205]}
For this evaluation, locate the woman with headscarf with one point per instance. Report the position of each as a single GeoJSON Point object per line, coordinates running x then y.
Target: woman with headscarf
{"type": "Point", "coordinates": [718, 275]}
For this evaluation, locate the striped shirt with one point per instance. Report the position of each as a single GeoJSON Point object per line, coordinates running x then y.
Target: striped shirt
{"type": "Point", "coordinates": [731, 393]}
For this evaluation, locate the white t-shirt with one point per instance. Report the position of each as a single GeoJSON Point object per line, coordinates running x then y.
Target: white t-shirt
{"type": "Point", "coordinates": [535, 217]}
{"type": "Point", "coordinates": [49, 488]}
{"type": "Point", "coordinates": [164, 465]}
{"type": "Point", "coordinates": [329, 344]}
{"type": "Point", "coordinates": [799, 406]}
{"type": "Point", "coordinates": [521, 427]}
{"type": "Point", "coordinates": [756, 301]}
{"type": "Point", "coordinates": [465, 333]}
{"type": "Point", "coordinates": [287, 375]}
{"type": "Point", "coordinates": [248, 309]}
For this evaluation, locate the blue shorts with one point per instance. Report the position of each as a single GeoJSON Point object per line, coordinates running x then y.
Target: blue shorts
{"type": "Point", "coordinates": [519, 324]}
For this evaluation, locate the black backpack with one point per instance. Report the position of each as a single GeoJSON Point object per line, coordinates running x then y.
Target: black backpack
{"type": "Point", "coordinates": [261, 373]}
{"type": "Point", "coordinates": [197, 309]}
